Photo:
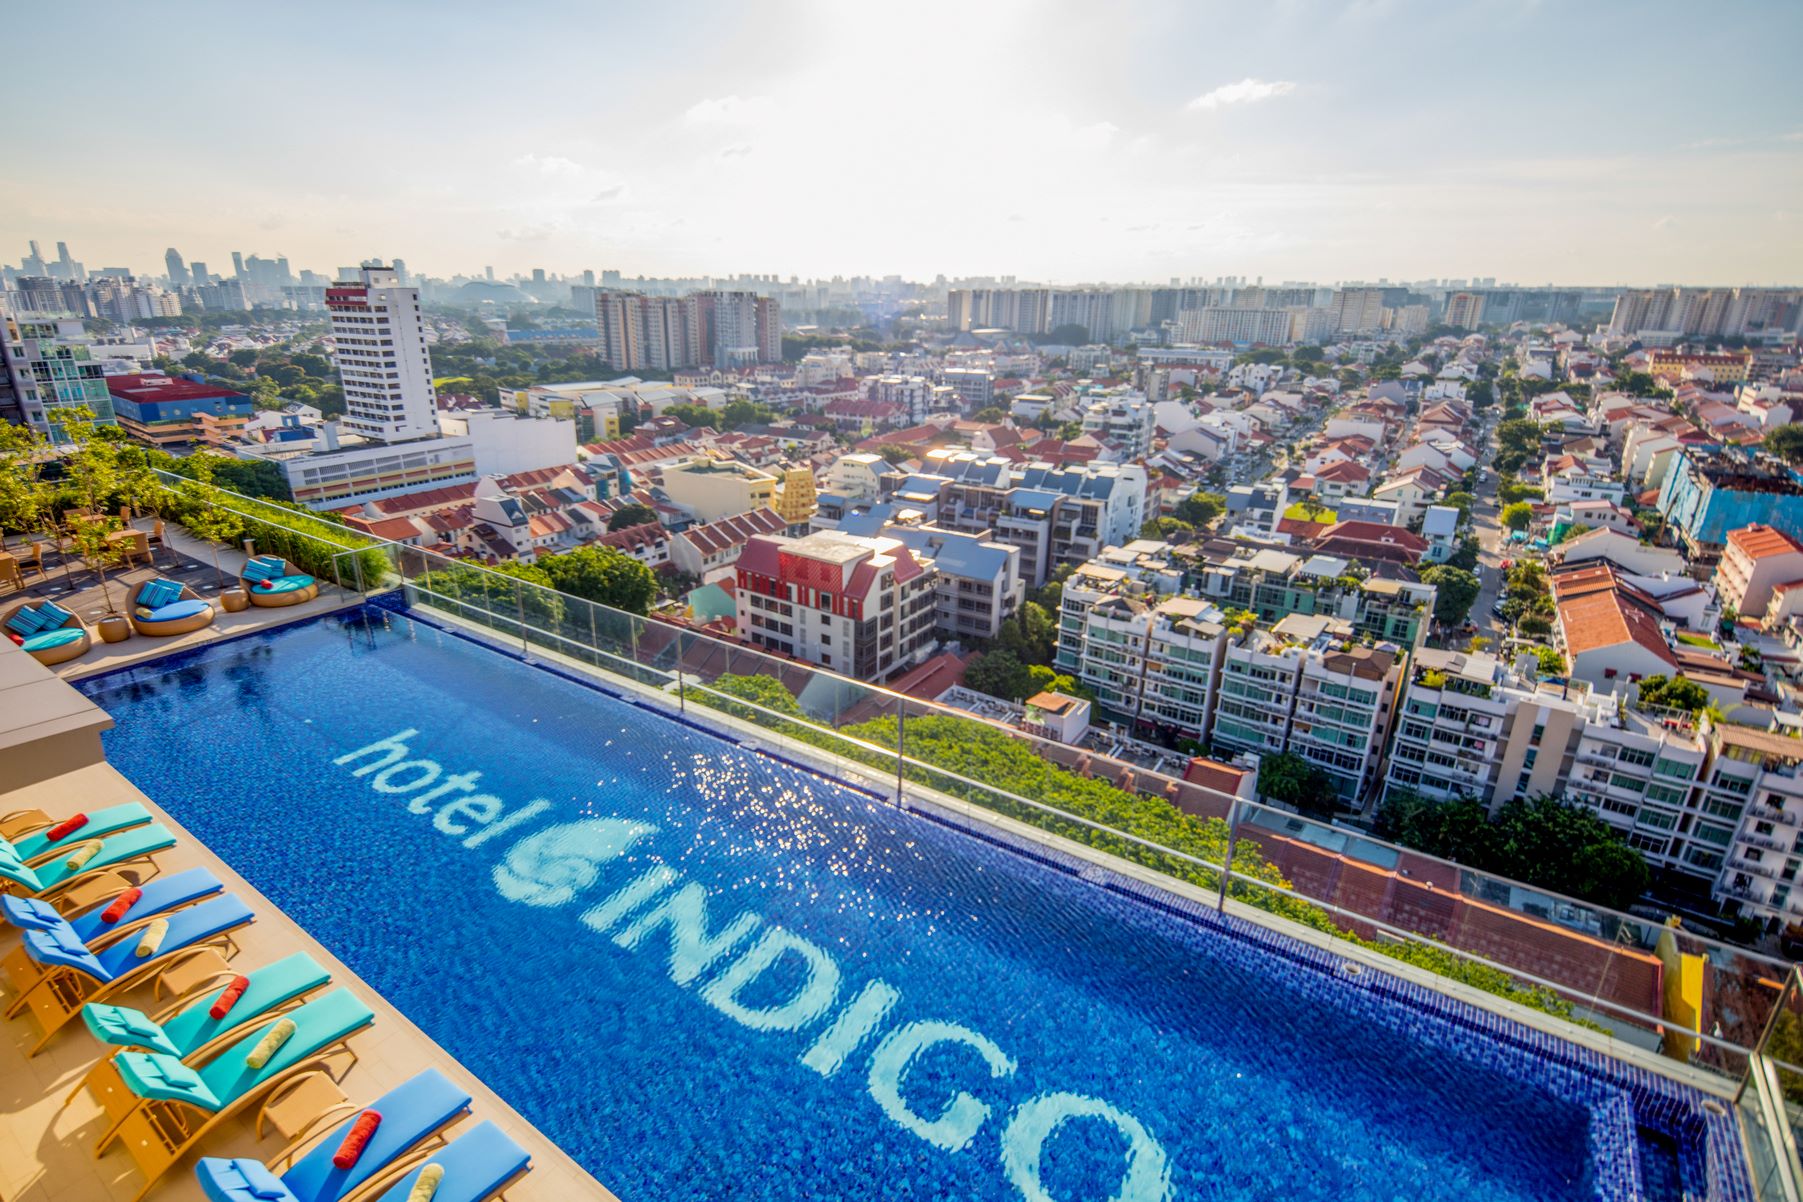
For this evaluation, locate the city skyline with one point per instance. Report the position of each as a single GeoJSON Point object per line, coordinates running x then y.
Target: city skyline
{"type": "Point", "coordinates": [1345, 142]}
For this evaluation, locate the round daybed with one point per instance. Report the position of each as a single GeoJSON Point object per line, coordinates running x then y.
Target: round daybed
{"type": "Point", "coordinates": [53, 645]}
{"type": "Point", "coordinates": [185, 614]}
{"type": "Point", "coordinates": [271, 581]}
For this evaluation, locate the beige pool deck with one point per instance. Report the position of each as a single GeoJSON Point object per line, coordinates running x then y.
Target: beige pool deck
{"type": "Point", "coordinates": [50, 760]}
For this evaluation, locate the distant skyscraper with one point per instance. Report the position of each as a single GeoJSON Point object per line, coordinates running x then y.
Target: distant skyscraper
{"type": "Point", "coordinates": [1465, 310]}
{"type": "Point", "coordinates": [238, 264]}
{"type": "Point", "coordinates": [199, 271]}
{"type": "Point", "coordinates": [34, 262]}
{"type": "Point", "coordinates": [588, 279]}
{"type": "Point", "coordinates": [400, 271]}
{"type": "Point", "coordinates": [382, 359]}
{"type": "Point", "coordinates": [178, 274]}
{"type": "Point", "coordinates": [489, 273]}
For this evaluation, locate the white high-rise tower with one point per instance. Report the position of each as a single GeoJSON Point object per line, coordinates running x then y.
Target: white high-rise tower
{"type": "Point", "coordinates": [382, 359]}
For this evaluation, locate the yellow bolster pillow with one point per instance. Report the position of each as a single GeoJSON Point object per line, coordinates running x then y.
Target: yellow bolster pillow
{"type": "Point", "coordinates": [270, 1043]}
{"type": "Point", "coordinates": [82, 855]}
{"type": "Point", "coordinates": [426, 1184]}
{"type": "Point", "coordinates": [152, 938]}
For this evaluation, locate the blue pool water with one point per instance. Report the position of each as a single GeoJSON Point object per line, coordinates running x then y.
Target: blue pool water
{"type": "Point", "coordinates": [878, 1006]}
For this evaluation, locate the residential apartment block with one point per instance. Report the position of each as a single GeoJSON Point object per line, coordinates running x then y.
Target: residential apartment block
{"type": "Point", "coordinates": [1308, 687]}
{"type": "Point", "coordinates": [863, 607]}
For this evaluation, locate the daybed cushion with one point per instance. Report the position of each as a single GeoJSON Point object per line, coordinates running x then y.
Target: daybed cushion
{"type": "Point", "coordinates": [256, 569]}
{"type": "Point", "coordinates": [159, 593]}
{"type": "Point", "coordinates": [27, 622]}
{"type": "Point", "coordinates": [60, 637]}
{"type": "Point", "coordinates": [175, 611]}
{"type": "Point", "coordinates": [288, 584]}
{"type": "Point", "coordinates": [53, 614]}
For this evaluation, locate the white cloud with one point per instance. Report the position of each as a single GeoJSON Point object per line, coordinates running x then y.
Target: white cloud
{"type": "Point", "coordinates": [731, 110]}
{"type": "Point", "coordinates": [549, 164]}
{"type": "Point", "coordinates": [738, 151]}
{"type": "Point", "coordinates": [1246, 91]}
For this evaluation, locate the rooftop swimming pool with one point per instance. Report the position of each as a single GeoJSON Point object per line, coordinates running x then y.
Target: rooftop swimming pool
{"type": "Point", "coordinates": [705, 973]}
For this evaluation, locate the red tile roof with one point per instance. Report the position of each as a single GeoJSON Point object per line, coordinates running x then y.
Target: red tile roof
{"type": "Point", "coordinates": [1762, 542]}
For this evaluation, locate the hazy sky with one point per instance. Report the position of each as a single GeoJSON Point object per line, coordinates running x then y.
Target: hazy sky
{"type": "Point", "coordinates": [1588, 141]}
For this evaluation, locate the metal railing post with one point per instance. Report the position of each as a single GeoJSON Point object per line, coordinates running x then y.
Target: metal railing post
{"type": "Point", "coordinates": [1233, 831]}
{"type": "Point", "coordinates": [594, 640]}
{"type": "Point", "coordinates": [682, 690]}
{"type": "Point", "coordinates": [519, 607]}
{"type": "Point", "coordinates": [338, 572]}
{"type": "Point", "coordinates": [900, 753]}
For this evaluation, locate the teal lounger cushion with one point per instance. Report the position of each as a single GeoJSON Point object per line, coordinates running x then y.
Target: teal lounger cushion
{"type": "Point", "coordinates": [175, 611]}
{"type": "Point", "coordinates": [287, 584]}
{"type": "Point", "coordinates": [60, 637]}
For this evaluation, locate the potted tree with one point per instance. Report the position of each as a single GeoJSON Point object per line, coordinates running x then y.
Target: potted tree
{"type": "Point", "coordinates": [219, 527]}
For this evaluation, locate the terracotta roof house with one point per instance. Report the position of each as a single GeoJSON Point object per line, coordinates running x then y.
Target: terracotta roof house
{"type": "Point", "coordinates": [1371, 541]}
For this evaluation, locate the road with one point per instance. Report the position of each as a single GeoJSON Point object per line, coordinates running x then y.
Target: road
{"type": "Point", "coordinates": [1484, 523]}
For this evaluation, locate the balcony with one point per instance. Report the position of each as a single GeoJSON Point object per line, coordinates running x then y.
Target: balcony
{"type": "Point", "coordinates": [1769, 842]}
{"type": "Point", "coordinates": [1772, 872]}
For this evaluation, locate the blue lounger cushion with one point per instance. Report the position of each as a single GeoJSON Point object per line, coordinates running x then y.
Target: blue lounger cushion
{"type": "Point", "coordinates": [30, 914]}
{"type": "Point", "coordinates": [242, 1180]}
{"type": "Point", "coordinates": [476, 1165]}
{"type": "Point", "coordinates": [225, 1078]}
{"type": "Point", "coordinates": [46, 640]}
{"type": "Point", "coordinates": [288, 584]}
{"type": "Point", "coordinates": [196, 924]}
{"type": "Point", "coordinates": [100, 824]}
{"type": "Point", "coordinates": [163, 893]}
{"type": "Point", "coordinates": [175, 611]}
{"type": "Point", "coordinates": [159, 896]}
{"type": "Point", "coordinates": [194, 1027]}
{"type": "Point", "coordinates": [257, 569]}
{"type": "Point", "coordinates": [411, 1112]}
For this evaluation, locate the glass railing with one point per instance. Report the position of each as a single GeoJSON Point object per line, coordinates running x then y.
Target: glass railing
{"type": "Point", "coordinates": [1662, 995]}
{"type": "Point", "coordinates": [1770, 1101]}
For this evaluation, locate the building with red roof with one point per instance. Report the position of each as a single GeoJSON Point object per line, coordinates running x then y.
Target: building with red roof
{"type": "Point", "coordinates": [173, 411]}
{"type": "Point", "coordinates": [862, 607]}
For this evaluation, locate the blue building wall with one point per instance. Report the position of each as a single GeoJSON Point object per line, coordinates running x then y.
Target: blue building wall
{"type": "Point", "coordinates": [147, 412]}
{"type": "Point", "coordinates": [1705, 512]}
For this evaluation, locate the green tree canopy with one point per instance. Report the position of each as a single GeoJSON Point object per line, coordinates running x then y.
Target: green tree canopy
{"type": "Point", "coordinates": [1677, 692]}
{"type": "Point", "coordinates": [603, 575]}
{"type": "Point", "coordinates": [1173, 530]}
{"type": "Point", "coordinates": [1540, 841]}
{"type": "Point", "coordinates": [1031, 634]}
{"type": "Point", "coordinates": [1200, 509]}
{"type": "Point", "coordinates": [631, 515]}
{"type": "Point", "coordinates": [1454, 591]}
{"type": "Point", "coordinates": [1001, 674]}
{"type": "Point", "coordinates": [1289, 778]}
{"type": "Point", "coordinates": [1517, 441]}
{"type": "Point", "coordinates": [1786, 442]}
{"type": "Point", "coordinates": [1518, 516]}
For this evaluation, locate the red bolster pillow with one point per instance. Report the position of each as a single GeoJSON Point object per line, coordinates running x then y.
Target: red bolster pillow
{"type": "Point", "coordinates": [355, 1139]}
{"type": "Point", "coordinates": [266, 584]}
{"type": "Point", "coordinates": [229, 998]}
{"type": "Point", "coordinates": [66, 827]}
{"type": "Point", "coordinates": [121, 904]}
{"type": "Point", "coordinates": [18, 639]}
